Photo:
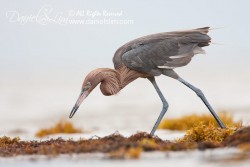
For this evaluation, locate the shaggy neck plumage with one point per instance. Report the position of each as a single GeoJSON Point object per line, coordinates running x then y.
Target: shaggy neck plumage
{"type": "Point", "coordinates": [112, 81]}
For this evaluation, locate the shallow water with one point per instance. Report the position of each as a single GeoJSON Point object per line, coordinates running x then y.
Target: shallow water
{"type": "Point", "coordinates": [219, 157]}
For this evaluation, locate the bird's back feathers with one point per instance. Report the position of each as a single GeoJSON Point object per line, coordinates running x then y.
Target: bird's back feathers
{"type": "Point", "coordinates": [167, 50]}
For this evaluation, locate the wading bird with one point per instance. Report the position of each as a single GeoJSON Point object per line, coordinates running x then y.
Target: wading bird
{"type": "Point", "coordinates": [148, 57]}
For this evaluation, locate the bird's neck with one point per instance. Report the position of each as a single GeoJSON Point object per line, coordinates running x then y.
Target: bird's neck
{"type": "Point", "coordinates": [127, 75]}
{"type": "Point", "coordinates": [112, 81]}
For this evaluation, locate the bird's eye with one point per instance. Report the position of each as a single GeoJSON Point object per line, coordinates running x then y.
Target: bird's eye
{"type": "Point", "coordinates": [88, 85]}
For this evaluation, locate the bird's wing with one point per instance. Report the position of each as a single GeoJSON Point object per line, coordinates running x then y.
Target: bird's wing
{"type": "Point", "coordinates": [164, 50]}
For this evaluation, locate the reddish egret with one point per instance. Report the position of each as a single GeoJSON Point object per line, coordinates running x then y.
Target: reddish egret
{"type": "Point", "coordinates": [148, 57]}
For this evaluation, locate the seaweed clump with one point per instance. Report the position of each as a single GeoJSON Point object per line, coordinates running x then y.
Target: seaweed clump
{"type": "Point", "coordinates": [189, 121]}
{"type": "Point", "coordinates": [60, 127]}
{"type": "Point", "coordinates": [207, 133]}
{"type": "Point", "coordinates": [115, 145]}
{"type": "Point", "coordinates": [240, 137]}
{"type": "Point", "coordinates": [5, 141]}
{"type": "Point", "coordinates": [118, 146]}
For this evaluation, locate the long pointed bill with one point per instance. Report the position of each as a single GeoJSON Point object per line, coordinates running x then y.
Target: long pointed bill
{"type": "Point", "coordinates": [83, 95]}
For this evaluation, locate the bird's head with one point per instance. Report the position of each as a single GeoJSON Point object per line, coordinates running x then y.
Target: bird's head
{"type": "Point", "coordinates": [89, 83]}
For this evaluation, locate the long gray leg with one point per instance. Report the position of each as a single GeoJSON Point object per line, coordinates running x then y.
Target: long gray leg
{"type": "Point", "coordinates": [164, 102]}
{"type": "Point", "coordinates": [203, 98]}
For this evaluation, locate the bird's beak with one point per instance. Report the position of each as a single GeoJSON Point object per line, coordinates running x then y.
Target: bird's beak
{"type": "Point", "coordinates": [83, 95]}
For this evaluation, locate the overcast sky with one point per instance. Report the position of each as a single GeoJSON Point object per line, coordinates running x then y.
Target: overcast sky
{"type": "Point", "coordinates": [31, 45]}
